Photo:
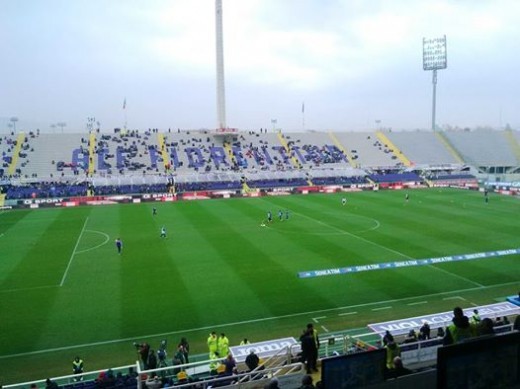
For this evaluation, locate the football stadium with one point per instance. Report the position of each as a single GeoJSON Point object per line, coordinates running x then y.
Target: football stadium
{"type": "Point", "coordinates": [259, 258]}
{"type": "Point", "coordinates": [349, 242]}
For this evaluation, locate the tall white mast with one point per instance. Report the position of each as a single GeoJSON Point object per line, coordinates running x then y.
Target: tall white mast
{"type": "Point", "coordinates": [221, 91]}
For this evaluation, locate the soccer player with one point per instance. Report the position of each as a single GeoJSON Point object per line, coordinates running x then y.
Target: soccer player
{"type": "Point", "coordinates": [154, 211]}
{"type": "Point", "coordinates": [287, 214]}
{"type": "Point", "coordinates": [119, 245]}
{"type": "Point", "coordinates": [344, 201]}
{"type": "Point", "coordinates": [280, 214]}
{"type": "Point", "coordinates": [163, 232]}
{"type": "Point", "coordinates": [269, 217]}
{"type": "Point", "coordinates": [407, 197]}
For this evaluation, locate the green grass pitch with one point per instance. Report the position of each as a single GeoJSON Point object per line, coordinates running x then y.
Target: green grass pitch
{"type": "Point", "coordinates": [64, 290]}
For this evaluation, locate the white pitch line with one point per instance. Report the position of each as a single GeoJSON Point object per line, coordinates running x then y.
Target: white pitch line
{"type": "Point", "coordinates": [455, 275]}
{"type": "Point", "coordinates": [389, 249]}
{"type": "Point", "coordinates": [454, 298]}
{"type": "Point", "coordinates": [324, 329]}
{"type": "Point", "coordinates": [418, 302]}
{"type": "Point", "coordinates": [27, 289]}
{"type": "Point", "coordinates": [347, 313]}
{"type": "Point", "coordinates": [318, 318]}
{"type": "Point", "coordinates": [73, 252]}
{"type": "Point", "coordinates": [107, 238]}
{"type": "Point", "coordinates": [380, 309]}
{"type": "Point", "coordinates": [213, 326]}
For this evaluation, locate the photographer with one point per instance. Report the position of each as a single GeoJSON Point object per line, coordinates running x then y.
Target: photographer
{"type": "Point", "coordinates": [143, 349]}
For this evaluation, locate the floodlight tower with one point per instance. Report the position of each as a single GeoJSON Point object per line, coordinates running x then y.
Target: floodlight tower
{"type": "Point", "coordinates": [221, 92]}
{"type": "Point", "coordinates": [435, 57]}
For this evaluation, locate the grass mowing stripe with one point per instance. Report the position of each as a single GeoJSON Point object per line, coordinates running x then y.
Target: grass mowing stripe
{"type": "Point", "coordinates": [397, 252]}
{"type": "Point", "coordinates": [73, 252]}
{"type": "Point", "coordinates": [224, 325]}
{"type": "Point", "coordinates": [273, 318]}
{"type": "Point", "coordinates": [153, 293]}
{"type": "Point", "coordinates": [254, 262]}
{"type": "Point", "coordinates": [93, 305]}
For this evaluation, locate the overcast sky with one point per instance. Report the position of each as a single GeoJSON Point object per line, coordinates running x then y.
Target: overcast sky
{"type": "Point", "coordinates": [351, 61]}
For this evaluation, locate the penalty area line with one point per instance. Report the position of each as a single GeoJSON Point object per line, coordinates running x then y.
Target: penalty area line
{"type": "Point", "coordinates": [73, 252]}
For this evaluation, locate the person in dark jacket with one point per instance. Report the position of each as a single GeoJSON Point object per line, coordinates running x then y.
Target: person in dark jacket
{"type": "Point", "coordinates": [309, 350]}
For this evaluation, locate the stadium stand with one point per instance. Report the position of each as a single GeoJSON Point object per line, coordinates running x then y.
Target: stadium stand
{"type": "Point", "coordinates": [54, 155]}
{"type": "Point", "coordinates": [483, 148]}
{"type": "Point", "coordinates": [184, 154]}
{"type": "Point", "coordinates": [250, 161]}
{"type": "Point", "coordinates": [367, 150]}
{"type": "Point", "coordinates": [422, 148]}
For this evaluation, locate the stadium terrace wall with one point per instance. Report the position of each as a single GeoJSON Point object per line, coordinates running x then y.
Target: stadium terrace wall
{"type": "Point", "coordinates": [221, 194]}
{"type": "Point", "coordinates": [167, 197]}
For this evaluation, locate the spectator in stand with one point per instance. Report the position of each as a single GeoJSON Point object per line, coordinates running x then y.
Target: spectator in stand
{"type": "Point", "coordinates": [398, 370]}
{"type": "Point", "coordinates": [245, 342]}
{"type": "Point", "coordinates": [273, 384]}
{"type": "Point", "coordinates": [252, 360]}
{"type": "Point", "coordinates": [230, 364]}
{"type": "Point", "coordinates": [505, 320]}
{"type": "Point", "coordinates": [182, 378]}
{"type": "Point", "coordinates": [499, 322]}
{"type": "Point", "coordinates": [314, 350]}
{"type": "Point", "coordinates": [152, 360]}
{"type": "Point", "coordinates": [424, 331]}
{"type": "Point", "coordinates": [307, 382]}
{"type": "Point", "coordinates": [440, 332]}
{"type": "Point", "coordinates": [314, 332]}
{"type": "Point", "coordinates": [411, 337]}
{"type": "Point", "coordinates": [387, 338]}
{"type": "Point", "coordinates": [143, 350]}
{"type": "Point", "coordinates": [309, 350]}
{"type": "Point", "coordinates": [186, 349]}
{"type": "Point", "coordinates": [485, 327]}
{"type": "Point", "coordinates": [178, 358]}
{"type": "Point", "coordinates": [461, 329]}
{"type": "Point", "coordinates": [475, 318]}
{"type": "Point", "coordinates": [153, 382]}
{"type": "Point", "coordinates": [392, 351]}
{"type": "Point", "coordinates": [49, 384]}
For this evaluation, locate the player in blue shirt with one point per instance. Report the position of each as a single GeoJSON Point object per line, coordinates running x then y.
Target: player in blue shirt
{"type": "Point", "coordinates": [119, 245]}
